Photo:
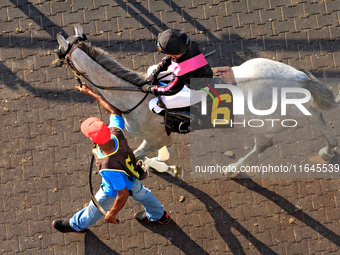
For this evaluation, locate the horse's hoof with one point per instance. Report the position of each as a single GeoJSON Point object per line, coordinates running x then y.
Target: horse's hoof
{"type": "Point", "coordinates": [230, 174]}
{"type": "Point", "coordinates": [325, 155]}
{"type": "Point", "coordinates": [177, 171]}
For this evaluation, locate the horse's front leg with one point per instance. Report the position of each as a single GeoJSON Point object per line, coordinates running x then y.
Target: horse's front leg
{"type": "Point", "coordinates": [261, 144]}
{"type": "Point", "coordinates": [153, 144]}
{"type": "Point", "coordinates": [176, 170]}
{"type": "Point", "coordinates": [157, 162]}
{"type": "Point", "coordinates": [163, 154]}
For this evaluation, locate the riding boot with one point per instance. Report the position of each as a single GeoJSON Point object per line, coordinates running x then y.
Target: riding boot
{"type": "Point", "coordinates": [182, 125]}
{"type": "Point", "coordinates": [185, 119]}
{"type": "Point", "coordinates": [183, 116]}
{"type": "Point", "coordinates": [168, 124]}
{"type": "Point", "coordinates": [179, 115]}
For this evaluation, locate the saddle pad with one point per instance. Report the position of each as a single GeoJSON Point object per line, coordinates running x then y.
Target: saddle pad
{"type": "Point", "coordinates": [226, 73]}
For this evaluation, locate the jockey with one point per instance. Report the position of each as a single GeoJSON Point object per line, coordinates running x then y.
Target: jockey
{"type": "Point", "coordinates": [184, 60]}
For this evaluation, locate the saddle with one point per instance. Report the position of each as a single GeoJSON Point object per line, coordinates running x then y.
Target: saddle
{"type": "Point", "coordinates": [179, 119]}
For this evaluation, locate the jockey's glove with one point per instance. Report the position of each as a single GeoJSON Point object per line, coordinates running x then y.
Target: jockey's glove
{"type": "Point", "coordinates": [152, 78]}
{"type": "Point", "coordinates": [150, 89]}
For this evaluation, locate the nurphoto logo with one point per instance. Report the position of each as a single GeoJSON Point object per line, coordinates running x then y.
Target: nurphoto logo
{"type": "Point", "coordinates": [222, 115]}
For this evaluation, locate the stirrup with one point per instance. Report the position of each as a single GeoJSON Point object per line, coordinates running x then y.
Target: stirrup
{"type": "Point", "coordinates": [184, 131]}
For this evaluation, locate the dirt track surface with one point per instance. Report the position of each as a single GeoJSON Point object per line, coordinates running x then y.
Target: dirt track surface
{"type": "Point", "coordinates": [44, 157]}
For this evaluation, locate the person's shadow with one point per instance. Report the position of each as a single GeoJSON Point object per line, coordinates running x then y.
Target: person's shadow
{"type": "Point", "coordinates": [177, 237]}
{"type": "Point", "coordinates": [172, 232]}
{"type": "Point", "coordinates": [94, 246]}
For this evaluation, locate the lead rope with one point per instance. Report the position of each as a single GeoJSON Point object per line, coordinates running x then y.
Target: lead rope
{"type": "Point", "coordinates": [94, 200]}
{"type": "Point", "coordinates": [77, 77]}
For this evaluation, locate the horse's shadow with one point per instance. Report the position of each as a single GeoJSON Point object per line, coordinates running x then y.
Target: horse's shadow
{"type": "Point", "coordinates": [331, 173]}
{"type": "Point", "coordinates": [93, 245]}
{"type": "Point", "coordinates": [224, 222]}
{"type": "Point", "coordinates": [291, 209]}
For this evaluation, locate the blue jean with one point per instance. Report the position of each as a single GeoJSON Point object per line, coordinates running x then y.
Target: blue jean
{"type": "Point", "coordinates": [91, 214]}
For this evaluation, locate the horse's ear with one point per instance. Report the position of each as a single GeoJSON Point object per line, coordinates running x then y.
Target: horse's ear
{"type": "Point", "coordinates": [78, 30]}
{"type": "Point", "coordinates": [62, 42]}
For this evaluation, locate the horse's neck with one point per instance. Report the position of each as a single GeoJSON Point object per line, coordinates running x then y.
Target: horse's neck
{"type": "Point", "coordinates": [100, 76]}
{"type": "Point", "coordinates": [141, 122]}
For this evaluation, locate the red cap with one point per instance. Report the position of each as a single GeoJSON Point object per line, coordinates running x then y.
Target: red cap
{"type": "Point", "coordinates": [96, 130]}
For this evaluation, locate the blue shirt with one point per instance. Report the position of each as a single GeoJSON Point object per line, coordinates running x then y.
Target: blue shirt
{"type": "Point", "coordinates": [113, 181]}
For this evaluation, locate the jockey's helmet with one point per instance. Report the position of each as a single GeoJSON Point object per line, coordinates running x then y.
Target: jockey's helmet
{"type": "Point", "coordinates": [173, 42]}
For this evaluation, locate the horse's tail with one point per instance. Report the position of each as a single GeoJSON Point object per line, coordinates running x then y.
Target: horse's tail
{"type": "Point", "coordinates": [322, 97]}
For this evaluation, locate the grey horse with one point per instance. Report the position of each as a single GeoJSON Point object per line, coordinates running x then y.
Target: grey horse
{"type": "Point", "coordinates": [98, 67]}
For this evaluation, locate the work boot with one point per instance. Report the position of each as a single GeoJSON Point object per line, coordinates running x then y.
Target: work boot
{"type": "Point", "coordinates": [141, 217]}
{"type": "Point", "coordinates": [64, 226]}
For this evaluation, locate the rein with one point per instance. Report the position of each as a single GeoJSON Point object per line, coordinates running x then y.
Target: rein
{"type": "Point", "coordinates": [78, 74]}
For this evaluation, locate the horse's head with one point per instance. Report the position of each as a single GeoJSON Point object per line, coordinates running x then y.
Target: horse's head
{"type": "Point", "coordinates": [65, 45]}
{"type": "Point", "coordinates": [88, 61]}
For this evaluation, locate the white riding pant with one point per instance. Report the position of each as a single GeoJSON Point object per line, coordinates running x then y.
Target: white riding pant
{"type": "Point", "coordinates": [184, 98]}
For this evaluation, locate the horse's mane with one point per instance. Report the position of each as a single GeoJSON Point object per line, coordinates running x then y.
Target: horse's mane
{"type": "Point", "coordinates": [108, 63]}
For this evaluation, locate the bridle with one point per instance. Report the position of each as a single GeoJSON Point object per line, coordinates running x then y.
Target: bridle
{"type": "Point", "coordinates": [77, 74]}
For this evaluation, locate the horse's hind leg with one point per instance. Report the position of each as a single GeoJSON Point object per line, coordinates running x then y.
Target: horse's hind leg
{"type": "Point", "coordinates": [149, 146]}
{"type": "Point", "coordinates": [261, 144]}
{"type": "Point", "coordinates": [317, 120]}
